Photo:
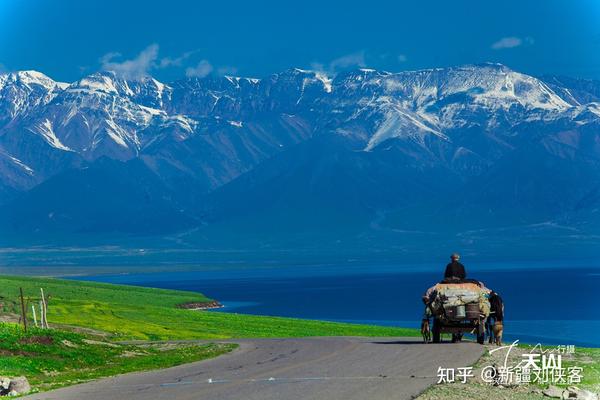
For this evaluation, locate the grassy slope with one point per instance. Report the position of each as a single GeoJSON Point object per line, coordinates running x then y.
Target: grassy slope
{"type": "Point", "coordinates": [53, 358]}
{"type": "Point", "coordinates": [589, 360]}
{"type": "Point", "coordinates": [475, 389]}
{"type": "Point", "coordinates": [128, 312]}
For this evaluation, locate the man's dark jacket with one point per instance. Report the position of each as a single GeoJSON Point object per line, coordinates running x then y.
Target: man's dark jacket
{"type": "Point", "coordinates": [456, 270]}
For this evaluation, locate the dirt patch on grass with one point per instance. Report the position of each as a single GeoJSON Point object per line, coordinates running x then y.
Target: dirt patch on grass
{"type": "Point", "coordinates": [45, 340]}
{"type": "Point", "coordinates": [9, 317]}
{"type": "Point", "coordinates": [11, 353]}
{"type": "Point", "coordinates": [200, 305]}
{"type": "Point", "coordinates": [85, 331]}
{"type": "Point", "coordinates": [99, 343]}
{"type": "Point", "coordinates": [129, 353]}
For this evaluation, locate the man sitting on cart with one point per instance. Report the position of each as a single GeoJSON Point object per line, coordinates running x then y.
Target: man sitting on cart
{"type": "Point", "coordinates": [455, 270]}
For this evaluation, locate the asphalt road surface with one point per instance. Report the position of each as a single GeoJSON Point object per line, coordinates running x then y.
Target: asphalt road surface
{"type": "Point", "coordinates": [290, 369]}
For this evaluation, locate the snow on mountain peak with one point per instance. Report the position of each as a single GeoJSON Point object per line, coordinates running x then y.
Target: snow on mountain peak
{"type": "Point", "coordinates": [23, 91]}
{"type": "Point", "coordinates": [101, 81]}
{"type": "Point", "coordinates": [46, 130]}
{"type": "Point", "coordinates": [36, 78]}
{"type": "Point", "coordinates": [325, 80]}
{"type": "Point", "coordinates": [409, 105]}
{"type": "Point", "coordinates": [493, 86]}
{"type": "Point", "coordinates": [208, 131]}
{"type": "Point", "coordinates": [29, 79]}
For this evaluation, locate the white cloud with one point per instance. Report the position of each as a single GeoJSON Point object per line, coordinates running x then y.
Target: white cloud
{"type": "Point", "coordinates": [135, 68]}
{"type": "Point", "coordinates": [201, 69]}
{"type": "Point", "coordinates": [351, 60]}
{"type": "Point", "coordinates": [148, 60]}
{"type": "Point", "coordinates": [402, 58]}
{"type": "Point", "coordinates": [177, 61]}
{"type": "Point", "coordinates": [510, 42]}
{"type": "Point", "coordinates": [348, 61]}
{"type": "Point", "coordinates": [225, 70]}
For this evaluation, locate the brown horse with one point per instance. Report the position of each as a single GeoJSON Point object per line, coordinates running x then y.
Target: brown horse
{"type": "Point", "coordinates": [425, 331]}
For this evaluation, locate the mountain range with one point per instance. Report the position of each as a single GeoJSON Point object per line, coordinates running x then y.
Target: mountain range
{"type": "Point", "coordinates": [470, 154]}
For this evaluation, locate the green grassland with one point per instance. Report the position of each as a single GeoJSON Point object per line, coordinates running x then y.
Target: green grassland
{"type": "Point", "coordinates": [127, 312]}
{"type": "Point", "coordinates": [88, 320]}
{"type": "Point", "coordinates": [589, 360]}
{"type": "Point", "coordinates": [52, 358]}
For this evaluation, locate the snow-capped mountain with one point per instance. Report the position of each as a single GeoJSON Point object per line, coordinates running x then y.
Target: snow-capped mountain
{"type": "Point", "coordinates": [475, 137]}
{"type": "Point", "coordinates": [21, 92]}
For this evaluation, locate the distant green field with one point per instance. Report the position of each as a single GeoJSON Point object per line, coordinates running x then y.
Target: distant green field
{"type": "Point", "coordinates": [128, 312]}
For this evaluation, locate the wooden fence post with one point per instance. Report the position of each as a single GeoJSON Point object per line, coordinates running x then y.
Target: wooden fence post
{"type": "Point", "coordinates": [23, 315]}
{"type": "Point", "coordinates": [41, 315]}
{"type": "Point", "coordinates": [45, 308]}
{"type": "Point", "coordinates": [34, 317]}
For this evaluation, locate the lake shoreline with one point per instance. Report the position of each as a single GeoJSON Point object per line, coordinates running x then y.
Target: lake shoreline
{"type": "Point", "coordinates": [350, 296]}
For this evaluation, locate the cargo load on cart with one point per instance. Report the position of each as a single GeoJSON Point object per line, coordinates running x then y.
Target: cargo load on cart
{"type": "Point", "coordinates": [458, 308]}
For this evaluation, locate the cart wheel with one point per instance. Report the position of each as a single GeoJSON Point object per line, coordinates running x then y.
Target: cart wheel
{"type": "Point", "coordinates": [436, 331]}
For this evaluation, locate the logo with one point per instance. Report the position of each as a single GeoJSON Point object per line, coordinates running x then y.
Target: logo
{"type": "Point", "coordinates": [537, 365]}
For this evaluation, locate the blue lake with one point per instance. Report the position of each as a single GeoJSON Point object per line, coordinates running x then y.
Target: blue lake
{"type": "Point", "coordinates": [551, 305]}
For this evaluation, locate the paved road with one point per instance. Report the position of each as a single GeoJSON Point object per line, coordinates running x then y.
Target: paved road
{"type": "Point", "coordinates": [290, 369]}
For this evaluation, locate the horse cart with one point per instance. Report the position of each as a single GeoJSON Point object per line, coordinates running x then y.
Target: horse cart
{"type": "Point", "coordinates": [458, 308]}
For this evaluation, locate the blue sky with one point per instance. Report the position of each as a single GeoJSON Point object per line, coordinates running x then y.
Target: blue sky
{"type": "Point", "coordinates": [67, 39]}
